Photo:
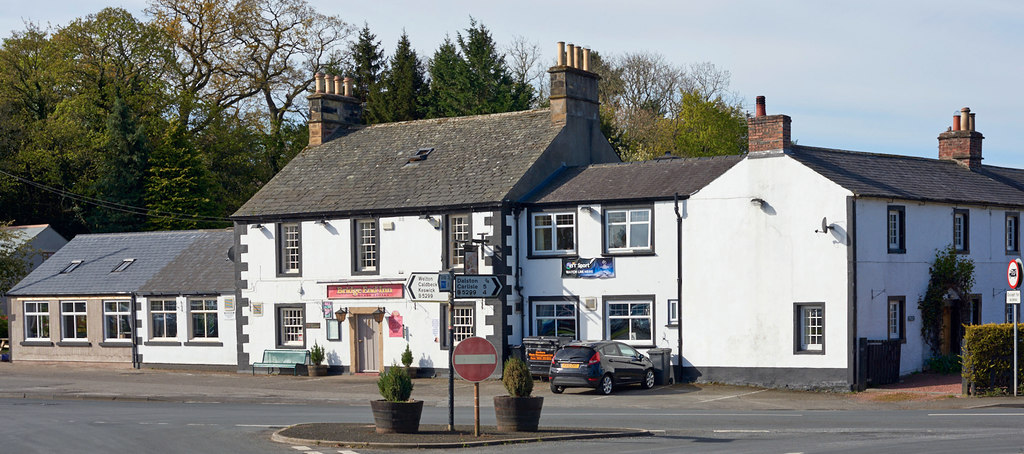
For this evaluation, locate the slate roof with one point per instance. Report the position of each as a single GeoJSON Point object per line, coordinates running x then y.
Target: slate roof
{"type": "Point", "coordinates": [655, 179]}
{"type": "Point", "coordinates": [476, 160]}
{"type": "Point", "coordinates": [202, 267]}
{"type": "Point", "coordinates": [913, 178]}
{"type": "Point", "coordinates": [101, 253]}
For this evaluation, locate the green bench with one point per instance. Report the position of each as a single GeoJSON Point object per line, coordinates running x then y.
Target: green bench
{"type": "Point", "coordinates": [282, 359]}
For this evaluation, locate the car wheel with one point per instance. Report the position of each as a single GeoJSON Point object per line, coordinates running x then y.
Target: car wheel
{"type": "Point", "coordinates": [606, 385]}
{"type": "Point", "coordinates": [557, 389]}
{"type": "Point", "coordinates": [648, 382]}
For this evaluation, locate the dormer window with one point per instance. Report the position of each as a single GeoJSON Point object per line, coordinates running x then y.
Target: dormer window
{"type": "Point", "coordinates": [123, 265]}
{"type": "Point", "coordinates": [71, 266]}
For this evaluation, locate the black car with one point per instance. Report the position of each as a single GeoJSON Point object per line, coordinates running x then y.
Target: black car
{"type": "Point", "coordinates": [600, 365]}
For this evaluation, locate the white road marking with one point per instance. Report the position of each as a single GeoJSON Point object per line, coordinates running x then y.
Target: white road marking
{"type": "Point", "coordinates": [730, 397]}
{"type": "Point", "coordinates": [759, 415]}
{"type": "Point", "coordinates": [345, 451]}
{"type": "Point", "coordinates": [975, 414]}
{"type": "Point", "coordinates": [196, 424]}
{"type": "Point", "coordinates": [602, 397]}
{"type": "Point", "coordinates": [739, 431]}
{"type": "Point", "coordinates": [301, 448]}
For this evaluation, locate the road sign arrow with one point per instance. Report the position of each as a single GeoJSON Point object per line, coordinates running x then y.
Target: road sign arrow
{"type": "Point", "coordinates": [424, 287]}
{"type": "Point", "coordinates": [477, 286]}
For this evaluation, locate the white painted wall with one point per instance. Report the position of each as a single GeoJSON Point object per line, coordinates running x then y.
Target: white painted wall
{"type": "Point", "coordinates": [745, 266]}
{"type": "Point", "coordinates": [220, 351]}
{"type": "Point", "coordinates": [407, 244]}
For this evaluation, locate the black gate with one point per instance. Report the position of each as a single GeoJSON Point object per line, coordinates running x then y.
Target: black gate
{"type": "Point", "coordinates": [880, 362]}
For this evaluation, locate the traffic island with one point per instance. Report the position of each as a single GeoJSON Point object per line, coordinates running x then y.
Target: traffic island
{"type": "Point", "coordinates": [358, 435]}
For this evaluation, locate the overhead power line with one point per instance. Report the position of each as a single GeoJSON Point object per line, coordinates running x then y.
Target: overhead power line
{"type": "Point", "coordinates": [114, 205]}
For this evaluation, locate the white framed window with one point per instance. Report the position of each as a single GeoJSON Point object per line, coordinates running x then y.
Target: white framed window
{"type": "Point", "coordinates": [896, 229]}
{"type": "Point", "coordinates": [1012, 233]}
{"type": "Point", "coordinates": [628, 230]}
{"type": "Point", "coordinates": [961, 230]}
{"type": "Point", "coordinates": [673, 312]}
{"type": "Point", "coordinates": [117, 320]}
{"type": "Point", "coordinates": [459, 234]}
{"type": "Point", "coordinates": [810, 328]}
{"type": "Point", "coordinates": [554, 233]}
{"type": "Point", "coordinates": [896, 318]}
{"type": "Point", "coordinates": [163, 316]}
{"type": "Point", "coordinates": [37, 320]}
{"type": "Point", "coordinates": [554, 318]}
{"type": "Point", "coordinates": [366, 246]}
{"type": "Point", "coordinates": [292, 327]}
{"type": "Point", "coordinates": [73, 320]}
{"type": "Point", "coordinates": [629, 320]}
{"type": "Point", "coordinates": [464, 323]}
{"type": "Point", "coordinates": [203, 313]}
{"type": "Point", "coordinates": [290, 249]}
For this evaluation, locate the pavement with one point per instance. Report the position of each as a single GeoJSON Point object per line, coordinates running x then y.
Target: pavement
{"type": "Point", "coordinates": [65, 380]}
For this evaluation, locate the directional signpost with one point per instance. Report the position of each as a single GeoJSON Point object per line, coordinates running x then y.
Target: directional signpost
{"type": "Point", "coordinates": [426, 287]}
{"type": "Point", "coordinates": [475, 359]}
{"type": "Point", "coordinates": [477, 286]}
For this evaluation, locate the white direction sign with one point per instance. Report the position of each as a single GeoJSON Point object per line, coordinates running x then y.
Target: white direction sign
{"type": "Point", "coordinates": [423, 287]}
{"type": "Point", "coordinates": [1013, 297]}
{"type": "Point", "coordinates": [477, 286]}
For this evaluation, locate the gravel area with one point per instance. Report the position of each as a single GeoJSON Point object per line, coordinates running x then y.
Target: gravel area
{"type": "Point", "coordinates": [348, 434]}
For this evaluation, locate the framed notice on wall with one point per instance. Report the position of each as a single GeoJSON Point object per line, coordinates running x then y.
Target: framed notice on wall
{"type": "Point", "coordinates": [333, 330]}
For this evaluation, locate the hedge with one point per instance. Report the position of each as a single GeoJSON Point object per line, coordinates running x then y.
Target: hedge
{"type": "Point", "coordinates": [988, 357]}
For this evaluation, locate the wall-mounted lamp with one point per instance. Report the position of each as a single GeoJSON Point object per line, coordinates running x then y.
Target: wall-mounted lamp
{"type": "Point", "coordinates": [340, 314]}
{"type": "Point", "coordinates": [378, 314]}
{"type": "Point", "coordinates": [321, 221]}
{"type": "Point", "coordinates": [434, 222]}
{"type": "Point", "coordinates": [256, 226]}
{"type": "Point", "coordinates": [588, 209]}
{"type": "Point", "coordinates": [758, 202]}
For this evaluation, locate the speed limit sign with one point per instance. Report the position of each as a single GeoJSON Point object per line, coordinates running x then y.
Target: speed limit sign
{"type": "Point", "coordinates": [1013, 273]}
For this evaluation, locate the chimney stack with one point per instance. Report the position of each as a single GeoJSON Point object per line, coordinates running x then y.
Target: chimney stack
{"type": "Point", "coordinates": [331, 107]}
{"type": "Point", "coordinates": [573, 86]}
{"type": "Point", "coordinates": [768, 132]}
{"type": "Point", "coordinates": [962, 143]}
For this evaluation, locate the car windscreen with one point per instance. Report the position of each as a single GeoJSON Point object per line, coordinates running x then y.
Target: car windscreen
{"type": "Point", "coordinates": [574, 353]}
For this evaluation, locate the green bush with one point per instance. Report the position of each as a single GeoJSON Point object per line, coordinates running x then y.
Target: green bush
{"type": "Point", "coordinates": [517, 378]}
{"type": "Point", "coordinates": [316, 354]}
{"type": "Point", "coordinates": [407, 356]}
{"type": "Point", "coordinates": [988, 356]}
{"type": "Point", "coordinates": [394, 384]}
{"type": "Point", "coordinates": [944, 364]}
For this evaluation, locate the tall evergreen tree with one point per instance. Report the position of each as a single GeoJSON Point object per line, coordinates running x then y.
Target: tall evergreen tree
{"type": "Point", "coordinates": [367, 63]}
{"type": "Point", "coordinates": [403, 88]}
{"type": "Point", "coordinates": [449, 89]}
{"type": "Point", "coordinates": [492, 88]}
{"type": "Point", "coordinates": [178, 182]}
{"type": "Point", "coordinates": [121, 177]}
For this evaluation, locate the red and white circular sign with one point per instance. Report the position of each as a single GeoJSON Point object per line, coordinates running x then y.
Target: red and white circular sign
{"type": "Point", "coordinates": [474, 359]}
{"type": "Point", "coordinates": [1013, 273]}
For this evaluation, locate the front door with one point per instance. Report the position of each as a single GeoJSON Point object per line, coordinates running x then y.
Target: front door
{"type": "Point", "coordinates": [367, 346]}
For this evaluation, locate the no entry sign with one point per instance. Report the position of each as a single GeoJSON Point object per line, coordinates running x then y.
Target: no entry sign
{"type": "Point", "coordinates": [474, 359]}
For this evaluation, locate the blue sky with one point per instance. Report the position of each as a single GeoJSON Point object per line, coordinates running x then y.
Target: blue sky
{"type": "Point", "coordinates": [874, 76]}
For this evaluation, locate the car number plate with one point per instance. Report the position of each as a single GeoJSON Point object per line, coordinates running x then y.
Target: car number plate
{"type": "Point", "coordinates": [570, 366]}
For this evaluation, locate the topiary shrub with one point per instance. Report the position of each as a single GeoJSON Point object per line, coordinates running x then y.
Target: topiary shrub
{"type": "Point", "coordinates": [988, 357]}
{"type": "Point", "coordinates": [316, 354]}
{"type": "Point", "coordinates": [517, 378]}
{"type": "Point", "coordinates": [394, 384]}
{"type": "Point", "coordinates": [407, 356]}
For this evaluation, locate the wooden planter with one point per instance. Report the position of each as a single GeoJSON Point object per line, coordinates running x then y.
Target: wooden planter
{"type": "Point", "coordinates": [397, 417]}
{"type": "Point", "coordinates": [316, 370]}
{"type": "Point", "coordinates": [517, 414]}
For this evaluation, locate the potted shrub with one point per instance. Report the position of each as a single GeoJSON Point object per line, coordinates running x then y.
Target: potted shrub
{"type": "Point", "coordinates": [407, 362]}
{"type": "Point", "coordinates": [316, 355]}
{"type": "Point", "coordinates": [518, 411]}
{"type": "Point", "coordinates": [396, 412]}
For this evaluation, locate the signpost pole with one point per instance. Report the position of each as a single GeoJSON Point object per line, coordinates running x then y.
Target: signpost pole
{"type": "Point", "coordinates": [476, 409]}
{"type": "Point", "coordinates": [451, 361]}
{"type": "Point", "coordinates": [1015, 370]}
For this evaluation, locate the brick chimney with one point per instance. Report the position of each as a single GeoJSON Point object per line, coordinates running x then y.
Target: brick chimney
{"type": "Point", "coordinates": [961, 143]}
{"type": "Point", "coordinates": [331, 106]}
{"type": "Point", "coordinates": [573, 86]}
{"type": "Point", "coordinates": [768, 132]}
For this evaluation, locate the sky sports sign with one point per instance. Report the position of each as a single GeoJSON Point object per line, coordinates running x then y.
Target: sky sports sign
{"type": "Point", "coordinates": [600, 268]}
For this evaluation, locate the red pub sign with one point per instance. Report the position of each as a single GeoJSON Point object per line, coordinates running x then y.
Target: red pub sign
{"type": "Point", "coordinates": [363, 291]}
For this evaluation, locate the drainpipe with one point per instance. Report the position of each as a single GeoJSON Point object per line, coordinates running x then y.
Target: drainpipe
{"type": "Point", "coordinates": [135, 334]}
{"type": "Point", "coordinates": [679, 285]}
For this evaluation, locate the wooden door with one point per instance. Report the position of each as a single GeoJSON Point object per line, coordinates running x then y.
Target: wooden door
{"type": "Point", "coordinates": [367, 343]}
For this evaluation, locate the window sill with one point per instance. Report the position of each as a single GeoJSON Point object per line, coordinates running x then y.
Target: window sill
{"type": "Point", "coordinates": [116, 344]}
{"type": "Point", "coordinates": [1012, 252]}
{"type": "Point", "coordinates": [289, 274]}
{"type": "Point", "coordinates": [809, 352]}
{"type": "Point", "coordinates": [567, 255]}
{"type": "Point", "coordinates": [897, 251]}
{"type": "Point", "coordinates": [643, 253]}
{"type": "Point", "coordinates": [36, 343]}
{"type": "Point", "coordinates": [74, 344]}
{"type": "Point", "coordinates": [672, 325]}
{"type": "Point", "coordinates": [167, 343]}
{"type": "Point", "coordinates": [198, 343]}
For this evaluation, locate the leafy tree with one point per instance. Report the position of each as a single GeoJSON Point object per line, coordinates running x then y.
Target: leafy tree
{"type": "Point", "coordinates": [14, 254]}
{"type": "Point", "coordinates": [951, 278]}
{"type": "Point", "coordinates": [709, 128]}
{"type": "Point", "coordinates": [491, 87]}
{"type": "Point", "coordinates": [403, 89]}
